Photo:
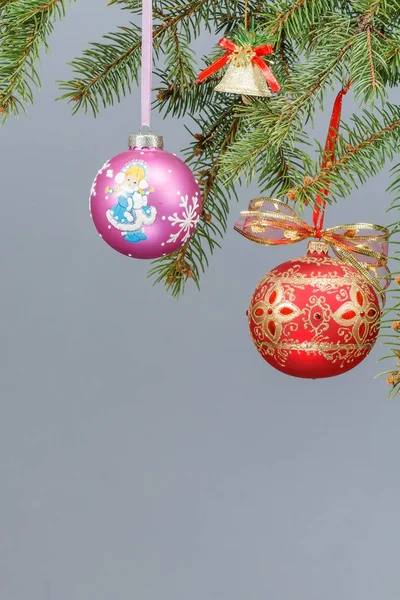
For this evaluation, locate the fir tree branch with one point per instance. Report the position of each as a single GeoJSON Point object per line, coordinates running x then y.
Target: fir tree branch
{"type": "Point", "coordinates": [47, 6]}
{"type": "Point", "coordinates": [106, 71]}
{"type": "Point", "coordinates": [367, 67]}
{"type": "Point", "coordinates": [270, 123]}
{"type": "Point", "coordinates": [283, 18]}
{"type": "Point", "coordinates": [3, 3]}
{"type": "Point", "coordinates": [180, 99]}
{"type": "Point", "coordinates": [24, 29]}
{"type": "Point", "coordinates": [192, 258]}
{"type": "Point", "coordinates": [179, 91]}
{"type": "Point", "coordinates": [293, 18]}
{"type": "Point", "coordinates": [283, 53]}
{"type": "Point", "coordinates": [382, 10]}
{"type": "Point", "coordinates": [371, 58]}
{"type": "Point", "coordinates": [358, 160]}
{"type": "Point", "coordinates": [373, 9]}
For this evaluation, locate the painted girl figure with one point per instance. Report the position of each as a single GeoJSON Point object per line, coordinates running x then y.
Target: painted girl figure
{"type": "Point", "coordinates": [131, 212]}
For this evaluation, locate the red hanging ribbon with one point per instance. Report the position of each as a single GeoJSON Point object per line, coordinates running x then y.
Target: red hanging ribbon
{"type": "Point", "coordinates": [329, 155]}
{"type": "Point", "coordinates": [256, 59]}
{"type": "Point", "coordinates": [271, 222]}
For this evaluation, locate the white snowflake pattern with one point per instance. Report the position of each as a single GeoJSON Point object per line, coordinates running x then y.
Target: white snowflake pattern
{"type": "Point", "coordinates": [110, 173]}
{"type": "Point", "coordinates": [104, 167]}
{"type": "Point", "coordinates": [93, 188]}
{"type": "Point", "coordinates": [187, 221]}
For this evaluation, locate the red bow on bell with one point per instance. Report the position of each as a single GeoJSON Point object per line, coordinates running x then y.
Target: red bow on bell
{"type": "Point", "coordinates": [254, 55]}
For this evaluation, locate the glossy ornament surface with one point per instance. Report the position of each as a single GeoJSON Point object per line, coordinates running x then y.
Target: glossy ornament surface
{"type": "Point", "coordinates": [314, 316]}
{"type": "Point", "coordinates": [145, 202]}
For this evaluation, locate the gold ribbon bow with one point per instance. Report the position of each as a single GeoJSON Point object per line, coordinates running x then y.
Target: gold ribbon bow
{"type": "Point", "coordinates": [362, 245]}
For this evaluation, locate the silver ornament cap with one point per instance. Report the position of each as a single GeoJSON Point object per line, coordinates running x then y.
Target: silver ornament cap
{"type": "Point", "coordinates": [145, 140]}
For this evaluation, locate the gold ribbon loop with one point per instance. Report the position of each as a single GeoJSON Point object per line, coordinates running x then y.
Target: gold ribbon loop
{"type": "Point", "coordinates": [363, 245]}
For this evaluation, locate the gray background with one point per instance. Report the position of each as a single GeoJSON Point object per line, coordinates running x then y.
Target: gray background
{"type": "Point", "coordinates": [146, 451]}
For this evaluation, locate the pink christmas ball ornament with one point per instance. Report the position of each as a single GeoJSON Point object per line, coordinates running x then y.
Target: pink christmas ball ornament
{"type": "Point", "coordinates": [145, 202]}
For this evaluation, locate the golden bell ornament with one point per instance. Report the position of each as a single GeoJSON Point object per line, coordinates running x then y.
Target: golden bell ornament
{"type": "Point", "coordinates": [245, 80]}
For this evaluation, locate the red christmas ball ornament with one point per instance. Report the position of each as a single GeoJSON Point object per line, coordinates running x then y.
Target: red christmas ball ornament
{"type": "Point", "coordinates": [314, 316]}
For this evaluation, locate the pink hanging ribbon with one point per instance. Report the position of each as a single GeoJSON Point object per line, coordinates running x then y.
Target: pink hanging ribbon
{"type": "Point", "coordinates": [147, 60]}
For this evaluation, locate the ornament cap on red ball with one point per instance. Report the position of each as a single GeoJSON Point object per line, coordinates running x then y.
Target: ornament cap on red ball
{"type": "Point", "coordinates": [314, 317]}
{"type": "Point", "coordinates": [318, 247]}
{"type": "Point", "coordinates": [145, 202]}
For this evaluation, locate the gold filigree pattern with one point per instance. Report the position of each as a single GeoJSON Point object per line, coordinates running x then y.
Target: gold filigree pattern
{"type": "Point", "coordinates": [289, 235]}
{"type": "Point", "coordinates": [338, 276]}
{"type": "Point", "coordinates": [273, 312]}
{"type": "Point", "coordinates": [317, 314]}
{"type": "Point", "coordinates": [314, 315]}
{"type": "Point", "coordinates": [341, 354]}
{"type": "Point", "coordinates": [358, 313]}
{"type": "Point", "coordinates": [324, 284]}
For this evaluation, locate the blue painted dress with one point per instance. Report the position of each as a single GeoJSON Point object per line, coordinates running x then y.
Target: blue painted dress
{"type": "Point", "coordinates": [123, 211]}
{"type": "Point", "coordinates": [131, 213]}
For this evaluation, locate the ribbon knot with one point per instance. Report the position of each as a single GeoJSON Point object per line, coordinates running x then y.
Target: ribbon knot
{"type": "Point", "coordinates": [318, 233]}
{"type": "Point", "coordinates": [362, 245]}
{"type": "Point", "coordinates": [241, 56]}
